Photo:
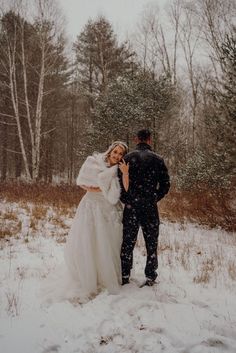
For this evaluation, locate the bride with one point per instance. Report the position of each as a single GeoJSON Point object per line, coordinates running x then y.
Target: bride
{"type": "Point", "coordinates": [92, 250]}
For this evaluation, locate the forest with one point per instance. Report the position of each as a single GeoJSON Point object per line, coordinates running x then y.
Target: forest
{"type": "Point", "coordinates": [63, 99]}
{"type": "Point", "coordinates": [175, 75]}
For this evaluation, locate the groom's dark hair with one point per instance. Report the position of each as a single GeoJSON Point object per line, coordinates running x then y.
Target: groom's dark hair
{"type": "Point", "coordinates": [143, 135]}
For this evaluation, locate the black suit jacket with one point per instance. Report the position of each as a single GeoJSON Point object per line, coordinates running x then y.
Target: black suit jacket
{"type": "Point", "coordinates": [148, 177]}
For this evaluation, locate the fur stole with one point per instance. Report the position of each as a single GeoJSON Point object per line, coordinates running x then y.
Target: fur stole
{"type": "Point", "coordinates": [95, 172]}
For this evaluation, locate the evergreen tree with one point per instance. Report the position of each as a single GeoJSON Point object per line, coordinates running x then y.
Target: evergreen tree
{"type": "Point", "coordinates": [213, 162]}
{"type": "Point", "coordinates": [134, 102]}
{"type": "Point", "coordinates": [222, 113]}
{"type": "Point", "coordinates": [100, 58]}
{"type": "Point", "coordinates": [100, 62]}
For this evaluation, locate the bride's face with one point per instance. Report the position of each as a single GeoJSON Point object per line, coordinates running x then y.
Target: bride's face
{"type": "Point", "coordinates": [116, 155]}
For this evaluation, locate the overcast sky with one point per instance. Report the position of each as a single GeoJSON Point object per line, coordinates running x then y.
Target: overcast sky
{"type": "Point", "coordinates": [123, 14]}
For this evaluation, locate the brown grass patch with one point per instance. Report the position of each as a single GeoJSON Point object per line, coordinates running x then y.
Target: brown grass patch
{"type": "Point", "coordinates": [205, 272]}
{"type": "Point", "coordinates": [9, 229]}
{"type": "Point", "coordinates": [232, 270]}
{"type": "Point", "coordinates": [58, 222]}
{"type": "Point", "coordinates": [39, 212]}
{"type": "Point", "coordinates": [9, 215]}
{"type": "Point", "coordinates": [213, 208]}
{"type": "Point", "coordinates": [55, 195]}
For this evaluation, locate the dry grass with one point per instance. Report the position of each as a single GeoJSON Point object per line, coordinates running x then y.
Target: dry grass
{"type": "Point", "coordinates": [232, 270]}
{"type": "Point", "coordinates": [59, 223]}
{"type": "Point", "coordinates": [12, 303]}
{"type": "Point", "coordinates": [13, 299]}
{"type": "Point", "coordinates": [39, 212]}
{"type": "Point", "coordinates": [213, 208]}
{"type": "Point", "coordinates": [9, 229]}
{"type": "Point", "coordinates": [10, 225]}
{"type": "Point", "coordinates": [206, 271]}
{"type": "Point", "coordinates": [56, 195]}
{"type": "Point", "coordinates": [9, 215]}
{"type": "Point", "coordinates": [206, 260]}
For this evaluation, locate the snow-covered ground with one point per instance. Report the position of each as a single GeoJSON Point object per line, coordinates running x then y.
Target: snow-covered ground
{"type": "Point", "coordinates": [191, 310]}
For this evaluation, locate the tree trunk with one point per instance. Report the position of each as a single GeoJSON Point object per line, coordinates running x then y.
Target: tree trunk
{"type": "Point", "coordinates": [38, 119]}
{"type": "Point", "coordinates": [4, 152]}
{"type": "Point", "coordinates": [14, 99]}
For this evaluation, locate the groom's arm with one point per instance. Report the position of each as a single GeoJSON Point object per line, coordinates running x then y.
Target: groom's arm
{"type": "Point", "coordinates": [164, 181]}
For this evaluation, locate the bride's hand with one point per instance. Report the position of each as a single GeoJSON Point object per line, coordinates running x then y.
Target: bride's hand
{"type": "Point", "coordinates": [124, 168]}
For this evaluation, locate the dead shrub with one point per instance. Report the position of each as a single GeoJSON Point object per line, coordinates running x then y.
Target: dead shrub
{"type": "Point", "coordinates": [39, 212]}
{"type": "Point", "coordinates": [9, 215]}
{"type": "Point", "coordinates": [41, 193]}
{"type": "Point", "coordinates": [232, 270]}
{"type": "Point", "coordinates": [13, 302]}
{"type": "Point", "coordinates": [213, 208]}
{"type": "Point", "coordinates": [205, 272]}
{"type": "Point", "coordinates": [210, 207]}
{"type": "Point", "coordinates": [10, 229]}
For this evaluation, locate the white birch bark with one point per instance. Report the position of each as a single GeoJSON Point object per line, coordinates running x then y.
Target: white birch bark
{"type": "Point", "coordinates": [15, 103]}
{"type": "Point", "coordinates": [38, 116]}
{"type": "Point", "coordinates": [46, 12]}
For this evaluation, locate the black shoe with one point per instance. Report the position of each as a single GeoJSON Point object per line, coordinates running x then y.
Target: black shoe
{"type": "Point", "coordinates": [125, 280]}
{"type": "Point", "coordinates": [148, 282]}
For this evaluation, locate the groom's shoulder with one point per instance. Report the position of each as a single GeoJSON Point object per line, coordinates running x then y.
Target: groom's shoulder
{"type": "Point", "coordinates": [156, 156]}
{"type": "Point", "coordinates": [130, 155]}
{"type": "Point", "coordinates": [137, 154]}
{"type": "Point", "coordinates": [147, 152]}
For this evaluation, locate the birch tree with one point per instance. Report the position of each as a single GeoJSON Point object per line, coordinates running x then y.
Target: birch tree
{"type": "Point", "coordinates": [28, 93]}
{"type": "Point", "coordinates": [189, 36]}
{"type": "Point", "coordinates": [217, 20]}
{"type": "Point", "coordinates": [157, 39]}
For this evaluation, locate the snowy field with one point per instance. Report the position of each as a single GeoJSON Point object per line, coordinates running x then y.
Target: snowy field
{"type": "Point", "coordinates": [191, 310]}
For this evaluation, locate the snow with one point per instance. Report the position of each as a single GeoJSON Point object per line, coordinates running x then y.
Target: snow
{"type": "Point", "coordinates": [192, 308]}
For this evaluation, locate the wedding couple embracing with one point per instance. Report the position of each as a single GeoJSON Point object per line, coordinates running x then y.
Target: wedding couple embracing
{"type": "Point", "coordinates": [122, 191]}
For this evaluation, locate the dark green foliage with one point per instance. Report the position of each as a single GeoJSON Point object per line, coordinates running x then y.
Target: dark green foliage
{"type": "Point", "coordinates": [201, 170]}
{"type": "Point", "coordinates": [100, 62]}
{"type": "Point", "coordinates": [99, 57]}
{"type": "Point", "coordinates": [133, 102]}
{"type": "Point", "coordinates": [221, 117]}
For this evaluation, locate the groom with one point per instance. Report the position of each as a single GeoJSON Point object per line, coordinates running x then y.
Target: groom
{"type": "Point", "coordinates": [148, 184]}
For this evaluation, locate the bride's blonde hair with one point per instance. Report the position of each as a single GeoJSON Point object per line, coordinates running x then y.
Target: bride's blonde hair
{"type": "Point", "coordinates": [115, 144]}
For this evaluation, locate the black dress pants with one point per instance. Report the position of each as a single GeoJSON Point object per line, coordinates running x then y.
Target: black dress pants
{"type": "Point", "coordinates": [146, 217]}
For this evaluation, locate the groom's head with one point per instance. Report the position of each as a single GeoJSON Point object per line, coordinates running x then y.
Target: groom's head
{"type": "Point", "coordinates": [143, 136]}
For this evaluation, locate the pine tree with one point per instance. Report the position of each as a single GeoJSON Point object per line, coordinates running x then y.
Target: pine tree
{"type": "Point", "coordinates": [134, 102]}
{"type": "Point", "coordinates": [100, 61]}
{"type": "Point", "coordinates": [100, 58]}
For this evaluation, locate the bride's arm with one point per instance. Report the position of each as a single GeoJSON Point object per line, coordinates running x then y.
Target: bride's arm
{"type": "Point", "coordinates": [124, 168]}
{"type": "Point", "coordinates": [125, 180]}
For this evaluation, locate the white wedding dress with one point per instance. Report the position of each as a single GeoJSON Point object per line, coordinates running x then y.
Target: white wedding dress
{"type": "Point", "coordinates": [92, 250]}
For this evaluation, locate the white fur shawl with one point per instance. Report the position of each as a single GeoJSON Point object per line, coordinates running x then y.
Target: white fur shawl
{"type": "Point", "coordinates": [95, 172]}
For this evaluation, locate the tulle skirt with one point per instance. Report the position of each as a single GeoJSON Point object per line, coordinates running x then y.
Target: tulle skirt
{"type": "Point", "coordinates": [92, 251]}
